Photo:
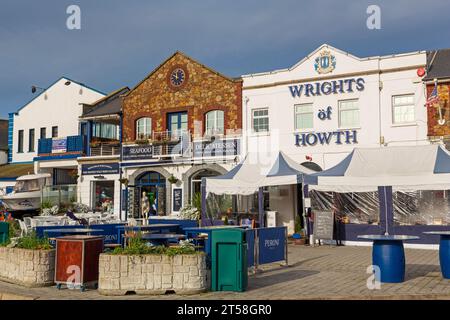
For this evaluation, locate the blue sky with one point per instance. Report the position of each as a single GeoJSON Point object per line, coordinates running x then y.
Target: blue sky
{"type": "Point", "coordinates": [120, 42]}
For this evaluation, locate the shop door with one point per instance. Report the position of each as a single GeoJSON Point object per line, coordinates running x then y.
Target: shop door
{"type": "Point", "coordinates": [153, 186]}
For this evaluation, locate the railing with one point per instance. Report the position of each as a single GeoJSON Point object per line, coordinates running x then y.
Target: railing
{"type": "Point", "coordinates": [71, 144]}
{"type": "Point", "coordinates": [105, 149]}
{"type": "Point", "coordinates": [170, 143]}
{"type": "Point", "coordinates": [63, 195]}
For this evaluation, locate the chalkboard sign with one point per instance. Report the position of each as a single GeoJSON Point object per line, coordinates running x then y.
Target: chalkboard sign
{"type": "Point", "coordinates": [177, 199]}
{"type": "Point", "coordinates": [323, 225]}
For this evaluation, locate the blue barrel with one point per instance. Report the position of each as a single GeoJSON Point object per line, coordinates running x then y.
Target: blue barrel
{"type": "Point", "coordinates": [389, 256]}
{"type": "Point", "coordinates": [444, 256]}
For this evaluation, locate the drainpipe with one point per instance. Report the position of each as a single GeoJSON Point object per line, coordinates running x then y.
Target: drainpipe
{"type": "Point", "coordinates": [120, 170]}
{"type": "Point", "coordinates": [379, 105]}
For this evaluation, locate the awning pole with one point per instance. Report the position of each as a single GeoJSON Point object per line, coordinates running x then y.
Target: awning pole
{"type": "Point", "coordinates": [261, 207]}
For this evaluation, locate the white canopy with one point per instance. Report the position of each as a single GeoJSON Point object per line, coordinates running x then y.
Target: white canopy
{"type": "Point", "coordinates": [405, 168]}
{"type": "Point", "coordinates": [252, 173]}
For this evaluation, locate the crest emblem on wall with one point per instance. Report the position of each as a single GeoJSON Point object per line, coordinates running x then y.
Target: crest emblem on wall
{"type": "Point", "coordinates": [325, 63]}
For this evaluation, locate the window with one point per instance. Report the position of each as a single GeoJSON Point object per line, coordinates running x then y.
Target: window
{"type": "Point", "coordinates": [303, 116]}
{"type": "Point", "coordinates": [403, 109]}
{"type": "Point", "coordinates": [20, 146]}
{"type": "Point", "coordinates": [215, 122]}
{"type": "Point", "coordinates": [31, 140]}
{"type": "Point", "coordinates": [348, 113]}
{"type": "Point", "coordinates": [54, 132]}
{"type": "Point", "coordinates": [105, 130]}
{"type": "Point", "coordinates": [43, 133]}
{"type": "Point", "coordinates": [260, 120]}
{"type": "Point", "coordinates": [143, 128]}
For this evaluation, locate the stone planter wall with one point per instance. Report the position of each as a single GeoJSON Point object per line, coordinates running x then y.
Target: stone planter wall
{"type": "Point", "coordinates": [152, 274]}
{"type": "Point", "coordinates": [31, 268]}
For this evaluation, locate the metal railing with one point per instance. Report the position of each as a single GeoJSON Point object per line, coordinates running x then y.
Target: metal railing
{"type": "Point", "coordinates": [105, 149]}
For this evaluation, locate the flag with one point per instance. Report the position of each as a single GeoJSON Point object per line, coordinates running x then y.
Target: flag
{"type": "Point", "coordinates": [433, 97]}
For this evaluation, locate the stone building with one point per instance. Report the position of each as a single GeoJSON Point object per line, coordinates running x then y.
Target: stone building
{"type": "Point", "coordinates": [181, 123]}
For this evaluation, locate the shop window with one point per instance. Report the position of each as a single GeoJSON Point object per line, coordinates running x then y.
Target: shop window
{"type": "Point", "coordinates": [20, 142]}
{"type": "Point", "coordinates": [260, 120]}
{"type": "Point", "coordinates": [303, 116]}
{"type": "Point", "coordinates": [215, 122]}
{"type": "Point", "coordinates": [428, 207]}
{"type": "Point", "coordinates": [104, 196]}
{"type": "Point", "coordinates": [348, 113]}
{"type": "Point", "coordinates": [31, 140]}
{"type": "Point", "coordinates": [403, 109]}
{"type": "Point", "coordinates": [143, 128]}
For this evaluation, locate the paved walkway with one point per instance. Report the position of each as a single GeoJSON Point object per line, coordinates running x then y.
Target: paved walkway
{"type": "Point", "coordinates": [313, 273]}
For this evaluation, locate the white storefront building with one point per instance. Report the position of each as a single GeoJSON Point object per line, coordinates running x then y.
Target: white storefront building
{"type": "Point", "coordinates": [317, 111]}
{"type": "Point", "coordinates": [46, 132]}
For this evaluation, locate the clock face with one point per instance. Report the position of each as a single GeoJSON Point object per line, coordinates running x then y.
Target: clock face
{"type": "Point", "coordinates": [177, 77]}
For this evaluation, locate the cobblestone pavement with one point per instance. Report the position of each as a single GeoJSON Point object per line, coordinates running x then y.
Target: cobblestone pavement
{"type": "Point", "coordinates": [313, 273]}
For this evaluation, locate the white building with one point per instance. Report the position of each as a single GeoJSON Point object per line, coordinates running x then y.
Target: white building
{"type": "Point", "coordinates": [330, 102]}
{"type": "Point", "coordinates": [46, 130]}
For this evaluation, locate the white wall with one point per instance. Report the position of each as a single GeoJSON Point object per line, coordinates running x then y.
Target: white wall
{"type": "Point", "coordinates": [397, 75]}
{"type": "Point", "coordinates": [58, 106]}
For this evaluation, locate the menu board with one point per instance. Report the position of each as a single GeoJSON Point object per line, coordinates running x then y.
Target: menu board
{"type": "Point", "coordinates": [323, 225]}
{"type": "Point", "coordinates": [177, 199]}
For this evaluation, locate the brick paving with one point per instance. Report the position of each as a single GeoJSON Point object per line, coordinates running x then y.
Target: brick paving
{"type": "Point", "coordinates": [313, 273]}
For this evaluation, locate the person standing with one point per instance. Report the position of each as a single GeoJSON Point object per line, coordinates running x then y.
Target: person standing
{"type": "Point", "coordinates": [145, 207]}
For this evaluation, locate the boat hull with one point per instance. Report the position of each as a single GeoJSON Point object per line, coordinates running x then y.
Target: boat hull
{"type": "Point", "coordinates": [26, 201]}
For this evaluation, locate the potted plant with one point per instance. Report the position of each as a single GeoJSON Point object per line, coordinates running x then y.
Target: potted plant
{"type": "Point", "coordinates": [172, 179]}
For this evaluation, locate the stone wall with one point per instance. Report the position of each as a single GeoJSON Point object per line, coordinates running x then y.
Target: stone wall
{"type": "Point", "coordinates": [31, 268]}
{"type": "Point", "coordinates": [152, 274]}
{"type": "Point", "coordinates": [204, 90]}
{"type": "Point", "coordinates": [434, 128]}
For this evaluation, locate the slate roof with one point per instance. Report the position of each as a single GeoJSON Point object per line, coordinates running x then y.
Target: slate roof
{"type": "Point", "coordinates": [109, 105]}
{"type": "Point", "coordinates": [438, 64]}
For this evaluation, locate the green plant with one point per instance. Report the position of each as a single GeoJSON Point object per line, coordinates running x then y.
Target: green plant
{"type": "Point", "coordinates": [137, 246]}
{"type": "Point", "coordinates": [33, 242]}
{"type": "Point", "coordinates": [14, 229]}
{"type": "Point", "coordinates": [46, 204]}
{"type": "Point", "coordinates": [197, 201]}
{"type": "Point", "coordinates": [172, 179]}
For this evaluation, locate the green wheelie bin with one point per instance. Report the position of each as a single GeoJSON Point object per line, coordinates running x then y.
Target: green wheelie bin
{"type": "Point", "coordinates": [229, 260]}
{"type": "Point", "coordinates": [4, 232]}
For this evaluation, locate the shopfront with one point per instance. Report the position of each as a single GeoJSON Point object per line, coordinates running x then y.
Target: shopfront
{"type": "Point", "coordinates": [329, 103]}
{"type": "Point", "coordinates": [180, 124]}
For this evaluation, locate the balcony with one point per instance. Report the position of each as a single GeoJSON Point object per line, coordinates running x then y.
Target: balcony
{"type": "Point", "coordinates": [179, 144]}
{"type": "Point", "coordinates": [71, 145]}
{"type": "Point", "coordinates": [104, 149]}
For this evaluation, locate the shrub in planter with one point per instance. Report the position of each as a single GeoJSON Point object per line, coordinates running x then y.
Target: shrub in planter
{"type": "Point", "coordinates": [29, 262]}
{"type": "Point", "coordinates": [147, 269]}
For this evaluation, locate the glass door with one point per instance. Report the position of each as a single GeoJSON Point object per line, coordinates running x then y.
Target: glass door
{"type": "Point", "coordinates": [177, 122]}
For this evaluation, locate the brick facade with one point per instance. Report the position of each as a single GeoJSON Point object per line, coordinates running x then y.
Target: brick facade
{"type": "Point", "coordinates": [203, 90]}
{"type": "Point", "coordinates": [434, 128]}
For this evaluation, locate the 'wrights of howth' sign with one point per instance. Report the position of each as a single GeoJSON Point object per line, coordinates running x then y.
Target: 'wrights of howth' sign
{"type": "Point", "coordinates": [327, 87]}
